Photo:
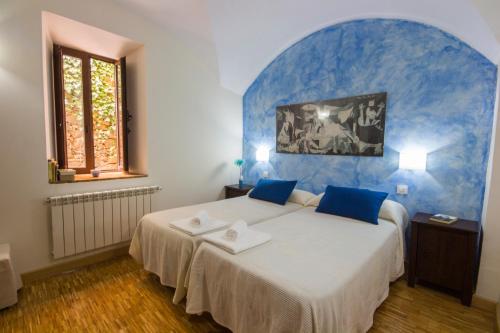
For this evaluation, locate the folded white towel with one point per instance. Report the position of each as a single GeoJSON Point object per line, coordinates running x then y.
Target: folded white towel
{"type": "Point", "coordinates": [250, 238]}
{"type": "Point", "coordinates": [200, 218]}
{"type": "Point", "coordinates": [237, 229]}
{"type": "Point", "coordinates": [187, 226]}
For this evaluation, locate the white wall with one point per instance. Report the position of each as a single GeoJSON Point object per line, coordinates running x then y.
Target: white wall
{"type": "Point", "coordinates": [489, 9]}
{"type": "Point", "coordinates": [489, 272]}
{"type": "Point", "coordinates": [48, 100]}
{"type": "Point", "coordinates": [194, 127]}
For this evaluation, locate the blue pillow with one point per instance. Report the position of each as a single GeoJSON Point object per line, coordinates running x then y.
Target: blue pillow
{"type": "Point", "coordinates": [355, 203]}
{"type": "Point", "coordinates": [272, 190]}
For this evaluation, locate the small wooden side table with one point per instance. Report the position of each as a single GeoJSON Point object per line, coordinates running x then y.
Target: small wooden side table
{"type": "Point", "coordinates": [445, 255]}
{"type": "Point", "coordinates": [233, 191]}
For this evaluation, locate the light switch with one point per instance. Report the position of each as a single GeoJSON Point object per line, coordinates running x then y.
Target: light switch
{"type": "Point", "coordinates": [265, 174]}
{"type": "Point", "coordinates": [402, 189]}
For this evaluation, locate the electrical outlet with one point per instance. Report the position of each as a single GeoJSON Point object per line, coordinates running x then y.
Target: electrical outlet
{"type": "Point", "coordinates": [402, 189]}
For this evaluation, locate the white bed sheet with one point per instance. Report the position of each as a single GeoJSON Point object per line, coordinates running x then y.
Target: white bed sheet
{"type": "Point", "coordinates": [168, 253]}
{"type": "Point", "coordinates": [319, 273]}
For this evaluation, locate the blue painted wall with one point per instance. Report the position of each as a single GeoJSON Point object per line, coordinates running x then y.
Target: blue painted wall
{"type": "Point", "coordinates": [440, 97]}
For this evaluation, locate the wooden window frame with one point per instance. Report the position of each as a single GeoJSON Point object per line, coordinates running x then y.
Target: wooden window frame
{"type": "Point", "coordinates": [60, 114]}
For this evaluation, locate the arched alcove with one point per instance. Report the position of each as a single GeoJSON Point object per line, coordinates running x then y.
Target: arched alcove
{"type": "Point", "coordinates": [441, 95]}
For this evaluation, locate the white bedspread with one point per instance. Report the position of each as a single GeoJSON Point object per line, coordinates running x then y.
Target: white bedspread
{"type": "Point", "coordinates": [168, 253]}
{"type": "Point", "coordinates": [319, 273]}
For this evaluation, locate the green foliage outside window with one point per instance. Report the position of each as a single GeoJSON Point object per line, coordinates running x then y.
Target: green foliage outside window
{"type": "Point", "coordinates": [73, 101]}
{"type": "Point", "coordinates": [104, 114]}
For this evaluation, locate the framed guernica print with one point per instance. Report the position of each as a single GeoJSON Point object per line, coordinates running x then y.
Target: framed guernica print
{"type": "Point", "coordinates": [346, 126]}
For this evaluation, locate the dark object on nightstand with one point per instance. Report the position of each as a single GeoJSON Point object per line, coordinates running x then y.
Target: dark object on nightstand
{"type": "Point", "coordinates": [233, 191]}
{"type": "Point", "coordinates": [445, 255]}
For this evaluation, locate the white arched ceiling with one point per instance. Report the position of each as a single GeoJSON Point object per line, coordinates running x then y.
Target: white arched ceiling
{"type": "Point", "coordinates": [242, 37]}
{"type": "Point", "coordinates": [248, 35]}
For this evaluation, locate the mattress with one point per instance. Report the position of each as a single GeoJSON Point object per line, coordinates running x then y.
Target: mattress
{"type": "Point", "coordinates": [319, 273]}
{"type": "Point", "coordinates": [168, 253]}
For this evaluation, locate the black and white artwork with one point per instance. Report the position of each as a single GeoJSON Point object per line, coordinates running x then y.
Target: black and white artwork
{"type": "Point", "coordinates": [346, 126]}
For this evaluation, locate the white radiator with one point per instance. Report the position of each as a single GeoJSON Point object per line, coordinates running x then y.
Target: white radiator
{"type": "Point", "coordinates": [88, 221]}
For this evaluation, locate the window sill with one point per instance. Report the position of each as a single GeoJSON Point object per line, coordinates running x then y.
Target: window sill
{"type": "Point", "coordinates": [79, 178]}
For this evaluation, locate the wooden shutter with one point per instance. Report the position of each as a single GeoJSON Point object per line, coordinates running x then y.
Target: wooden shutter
{"type": "Point", "coordinates": [60, 116]}
{"type": "Point", "coordinates": [125, 115]}
{"type": "Point", "coordinates": [59, 107]}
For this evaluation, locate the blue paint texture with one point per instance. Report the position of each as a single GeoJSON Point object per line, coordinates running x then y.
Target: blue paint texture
{"type": "Point", "coordinates": [441, 96]}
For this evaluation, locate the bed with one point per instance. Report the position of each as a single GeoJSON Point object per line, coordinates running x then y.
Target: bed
{"type": "Point", "coordinates": [168, 253]}
{"type": "Point", "coordinates": [319, 273]}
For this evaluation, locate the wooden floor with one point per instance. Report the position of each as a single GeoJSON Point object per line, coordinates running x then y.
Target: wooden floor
{"type": "Point", "coordinates": [118, 296]}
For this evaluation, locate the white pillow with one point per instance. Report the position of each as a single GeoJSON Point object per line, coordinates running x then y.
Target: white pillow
{"type": "Point", "coordinates": [395, 212]}
{"type": "Point", "coordinates": [300, 197]}
{"type": "Point", "coordinates": [314, 201]}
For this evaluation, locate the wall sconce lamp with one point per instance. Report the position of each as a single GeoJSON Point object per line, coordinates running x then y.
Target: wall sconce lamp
{"type": "Point", "coordinates": [262, 154]}
{"type": "Point", "coordinates": [413, 159]}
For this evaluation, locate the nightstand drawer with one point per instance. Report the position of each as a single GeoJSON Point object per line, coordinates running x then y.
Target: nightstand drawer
{"type": "Point", "coordinates": [440, 257]}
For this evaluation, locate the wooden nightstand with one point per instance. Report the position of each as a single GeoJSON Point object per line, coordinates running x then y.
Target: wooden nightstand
{"type": "Point", "coordinates": [233, 191]}
{"type": "Point", "coordinates": [445, 255]}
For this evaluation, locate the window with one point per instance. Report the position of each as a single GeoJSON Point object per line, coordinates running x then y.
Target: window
{"type": "Point", "coordinates": [91, 112]}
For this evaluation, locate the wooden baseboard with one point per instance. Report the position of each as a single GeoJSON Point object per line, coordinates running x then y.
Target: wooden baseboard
{"type": "Point", "coordinates": [482, 303]}
{"type": "Point", "coordinates": [66, 266]}
{"type": "Point", "coordinates": [498, 318]}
